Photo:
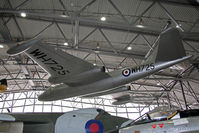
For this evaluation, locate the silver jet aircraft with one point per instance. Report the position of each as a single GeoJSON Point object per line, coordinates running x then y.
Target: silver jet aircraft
{"type": "Point", "coordinates": [78, 77]}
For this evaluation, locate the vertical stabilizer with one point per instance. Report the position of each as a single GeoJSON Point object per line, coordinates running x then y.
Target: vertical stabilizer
{"type": "Point", "coordinates": [169, 47]}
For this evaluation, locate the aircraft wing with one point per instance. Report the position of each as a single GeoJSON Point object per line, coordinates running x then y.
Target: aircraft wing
{"type": "Point", "coordinates": [78, 121]}
{"type": "Point", "coordinates": [63, 67]}
{"type": "Point", "coordinates": [28, 122]}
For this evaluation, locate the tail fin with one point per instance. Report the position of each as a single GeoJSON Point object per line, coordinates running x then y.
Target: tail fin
{"type": "Point", "coordinates": [168, 47]}
{"type": "Point", "coordinates": [3, 85]}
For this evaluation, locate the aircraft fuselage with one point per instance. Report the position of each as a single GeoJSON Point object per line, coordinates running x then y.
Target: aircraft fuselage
{"type": "Point", "coordinates": [115, 79]}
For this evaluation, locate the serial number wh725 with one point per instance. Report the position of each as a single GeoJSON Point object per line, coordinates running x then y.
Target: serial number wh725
{"type": "Point", "coordinates": [49, 62]}
{"type": "Point", "coordinates": [146, 67]}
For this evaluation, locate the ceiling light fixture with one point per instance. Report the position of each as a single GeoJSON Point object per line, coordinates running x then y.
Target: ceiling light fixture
{"type": "Point", "coordinates": [1, 46]}
{"type": "Point", "coordinates": [178, 26]}
{"type": "Point", "coordinates": [66, 44]}
{"type": "Point", "coordinates": [23, 14]}
{"type": "Point", "coordinates": [158, 84]}
{"type": "Point", "coordinates": [94, 64]}
{"type": "Point", "coordinates": [63, 15]}
{"type": "Point", "coordinates": [129, 48]}
{"type": "Point", "coordinates": [140, 26]}
{"type": "Point", "coordinates": [98, 47]}
{"type": "Point", "coordinates": [141, 22]}
{"type": "Point", "coordinates": [103, 18]}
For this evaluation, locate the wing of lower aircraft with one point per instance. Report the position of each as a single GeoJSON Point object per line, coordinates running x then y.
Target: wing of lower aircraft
{"type": "Point", "coordinates": [78, 121]}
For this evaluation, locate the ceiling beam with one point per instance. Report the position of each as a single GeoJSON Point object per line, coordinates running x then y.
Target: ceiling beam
{"type": "Point", "coordinates": [101, 51]}
{"type": "Point", "coordinates": [94, 22]}
{"type": "Point", "coordinates": [178, 3]}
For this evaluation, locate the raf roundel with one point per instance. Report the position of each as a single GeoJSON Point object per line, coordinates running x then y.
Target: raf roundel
{"type": "Point", "coordinates": [126, 72]}
{"type": "Point", "coordinates": [94, 126]}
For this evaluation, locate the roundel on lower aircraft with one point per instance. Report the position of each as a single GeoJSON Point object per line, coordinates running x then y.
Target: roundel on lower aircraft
{"type": "Point", "coordinates": [94, 126]}
{"type": "Point", "coordinates": [126, 72]}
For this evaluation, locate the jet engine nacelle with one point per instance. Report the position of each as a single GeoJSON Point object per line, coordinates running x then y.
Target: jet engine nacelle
{"type": "Point", "coordinates": [110, 92]}
{"type": "Point", "coordinates": [73, 80]}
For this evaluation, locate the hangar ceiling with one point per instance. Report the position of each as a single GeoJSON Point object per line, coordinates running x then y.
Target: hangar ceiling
{"type": "Point", "coordinates": [124, 39]}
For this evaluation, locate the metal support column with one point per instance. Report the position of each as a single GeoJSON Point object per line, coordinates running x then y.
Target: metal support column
{"type": "Point", "coordinates": [64, 7]}
{"type": "Point", "coordinates": [76, 33]}
{"type": "Point", "coordinates": [23, 3]}
{"type": "Point", "coordinates": [190, 89]}
{"type": "Point", "coordinates": [83, 8]}
{"type": "Point", "coordinates": [114, 50]}
{"type": "Point", "coordinates": [140, 16]}
{"type": "Point", "coordinates": [90, 33]}
{"type": "Point", "coordinates": [185, 101]}
{"type": "Point", "coordinates": [120, 13]}
{"type": "Point", "coordinates": [61, 31]}
{"type": "Point", "coordinates": [170, 16]}
{"type": "Point", "coordinates": [194, 24]}
{"type": "Point", "coordinates": [191, 46]}
{"type": "Point", "coordinates": [130, 43]}
{"type": "Point", "coordinates": [169, 101]}
{"type": "Point", "coordinates": [44, 29]}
